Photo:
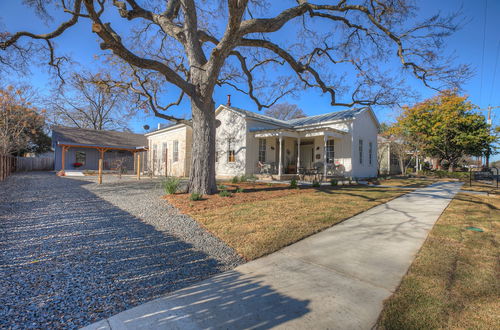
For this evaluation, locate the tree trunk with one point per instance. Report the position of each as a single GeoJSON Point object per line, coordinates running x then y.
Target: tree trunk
{"type": "Point", "coordinates": [202, 173]}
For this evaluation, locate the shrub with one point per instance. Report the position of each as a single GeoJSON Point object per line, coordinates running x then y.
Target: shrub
{"type": "Point", "coordinates": [196, 197]}
{"type": "Point", "coordinates": [240, 190]}
{"type": "Point", "coordinates": [315, 183]}
{"type": "Point", "coordinates": [221, 187]}
{"type": "Point", "coordinates": [293, 184]}
{"type": "Point", "coordinates": [235, 179]}
{"type": "Point", "coordinates": [350, 181]}
{"type": "Point", "coordinates": [334, 182]}
{"type": "Point", "coordinates": [171, 184]}
{"type": "Point", "coordinates": [225, 193]}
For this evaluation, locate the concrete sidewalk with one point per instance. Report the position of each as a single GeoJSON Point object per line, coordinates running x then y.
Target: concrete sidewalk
{"type": "Point", "coordinates": [337, 279]}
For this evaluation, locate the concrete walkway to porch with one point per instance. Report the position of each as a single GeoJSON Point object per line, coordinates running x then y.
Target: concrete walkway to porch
{"type": "Point", "coordinates": [336, 279]}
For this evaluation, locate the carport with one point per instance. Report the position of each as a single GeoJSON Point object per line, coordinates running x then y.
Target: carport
{"type": "Point", "coordinates": [86, 148]}
{"type": "Point", "coordinates": [102, 149]}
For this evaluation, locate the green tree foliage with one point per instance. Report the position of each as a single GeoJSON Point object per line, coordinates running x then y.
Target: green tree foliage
{"type": "Point", "coordinates": [445, 127]}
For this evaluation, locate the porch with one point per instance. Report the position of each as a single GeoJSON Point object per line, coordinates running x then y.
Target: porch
{"type": "Point", "coordinates": [314, 154]}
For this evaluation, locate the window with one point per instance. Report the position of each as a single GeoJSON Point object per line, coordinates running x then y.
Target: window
{"type": "Point", "coordinates": [360, 151]}
{"type": "Point", "coordinates": [80, 157]}
{"type": "Point", "coordinates": [175, 151]}
{"type": "Point", "coordinates": [262, 150]}
{"type": "Point", "coordinates": [155, 153]}
{"type": "Point", "coordinates": [230, 151]}
{"type": "Point", "coordinates": [330, 151]}
{"type": "Point", "coordinates": [164, 150]}
{"type": "Point", "coordinates": [370, 152]}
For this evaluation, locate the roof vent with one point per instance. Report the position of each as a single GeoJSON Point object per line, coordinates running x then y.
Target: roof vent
{"type": "Point", "coordinates": [228, 100]}
{"type": "Point", "coordinates": [159, 125]}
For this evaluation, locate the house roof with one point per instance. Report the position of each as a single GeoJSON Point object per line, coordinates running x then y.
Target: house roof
{"type": "Point", "coordinates": [101, 138]}
{"type": "Point", "coordinates": [166, 128]}
{"type": "Point", "coordinates": [305, 121]}
{"type": "Point", "coordinates": [258, 116]}
{"type": "Point", "coordinates": [331, 116]}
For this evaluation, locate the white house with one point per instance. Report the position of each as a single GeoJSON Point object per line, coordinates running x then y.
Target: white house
{"type": "Point", "coordinates": [342, 143]}
{"type": "Point", "coordinates": [170, 150]}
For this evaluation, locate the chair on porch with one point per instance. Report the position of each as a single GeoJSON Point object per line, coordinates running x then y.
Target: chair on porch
{"type": "Point", "coordinates": [266, 168]}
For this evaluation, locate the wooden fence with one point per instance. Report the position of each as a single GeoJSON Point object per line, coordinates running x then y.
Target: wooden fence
{"type": "Point", "coordinates": [34, 164]}
{"type": "Point", "coordinates": [7, 166]}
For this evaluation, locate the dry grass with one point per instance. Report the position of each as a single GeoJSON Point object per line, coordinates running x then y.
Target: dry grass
{"type": "Point", "coordinates": [454, 280]}
{"type": "Point", "coordinates": [481, 186]}
{"type": "Point", "coordinates": [267, 221]}
{"type": "Point", "coordinates": [408, 182]}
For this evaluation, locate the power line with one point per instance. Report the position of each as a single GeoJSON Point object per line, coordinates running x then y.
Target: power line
{"type": "Point", "coordinates": [482, 57]}
{"type": "Point", "coordinates": [494, 73]}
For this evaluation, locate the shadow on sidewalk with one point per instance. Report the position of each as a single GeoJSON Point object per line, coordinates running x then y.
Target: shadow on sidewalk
{"type": "Point", "coordinates": [227, 301]}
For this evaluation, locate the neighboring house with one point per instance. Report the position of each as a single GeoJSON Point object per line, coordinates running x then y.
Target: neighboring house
{"type": "Point", "coordinates": [170, 150]}
{"type": "Point", "coordinates": [388, 160]}
{"type": "Point", "coordinates": [248, 143]}
{"type": "Point", "coordinates": [86, 146]}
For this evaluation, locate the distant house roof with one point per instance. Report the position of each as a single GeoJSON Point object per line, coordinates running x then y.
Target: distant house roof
{"type": "Point", "coordinates": [97, 138]}
{"type": "Point", "coordinates": [299, 122]}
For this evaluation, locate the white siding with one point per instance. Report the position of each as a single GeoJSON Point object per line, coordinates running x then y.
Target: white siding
{"type": "Point", "coordinates": [183, 135]}
{"type": "Point", "coordinates": [233, 127]}
{"type": "Point", "coordinates": [365, 128]}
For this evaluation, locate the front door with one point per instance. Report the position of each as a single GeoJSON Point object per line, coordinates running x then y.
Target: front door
{"type": "Point", "coordinates": [306, 155]}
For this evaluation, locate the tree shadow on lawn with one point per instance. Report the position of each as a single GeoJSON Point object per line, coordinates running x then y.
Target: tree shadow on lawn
{"type": "Point", "coordinates": [70, 258]}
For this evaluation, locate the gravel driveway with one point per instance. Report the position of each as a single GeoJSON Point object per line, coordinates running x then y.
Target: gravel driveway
{"type": "Point", "coordinates": [73, 252]}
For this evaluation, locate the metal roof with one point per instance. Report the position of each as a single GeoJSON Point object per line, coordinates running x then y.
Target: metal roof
{"type": "Point", "coordinates": [332, 116]}
{"type": "Point", "coordinates": [258, 116]}
{"type": "Point", "coordinates": [305, 121]}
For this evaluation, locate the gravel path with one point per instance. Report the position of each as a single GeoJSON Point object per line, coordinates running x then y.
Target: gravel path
{"type": "Point", "coordinates": [73, 252]}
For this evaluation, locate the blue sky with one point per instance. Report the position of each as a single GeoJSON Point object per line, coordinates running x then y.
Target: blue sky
{"type": "Point", "coordinates": [466, 43]}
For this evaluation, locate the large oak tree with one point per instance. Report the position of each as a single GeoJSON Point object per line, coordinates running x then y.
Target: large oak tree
{"type": "Point", "coordinates": [196, 46]}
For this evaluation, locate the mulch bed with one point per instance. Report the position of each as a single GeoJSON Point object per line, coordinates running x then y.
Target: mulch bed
{"type": "Point", "coordinates": [251, 192]}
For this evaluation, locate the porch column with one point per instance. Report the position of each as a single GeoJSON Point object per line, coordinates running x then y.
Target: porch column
{"type": "Point", "coordinates": [325, 139]}
{"type": "Point", "coordinates": [298, 154]}
{"type": "Point", "coordinates": [280, 165]}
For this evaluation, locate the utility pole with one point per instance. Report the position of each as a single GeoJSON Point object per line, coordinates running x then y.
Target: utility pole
{"type": "Point", "coordinates": [489, 122]}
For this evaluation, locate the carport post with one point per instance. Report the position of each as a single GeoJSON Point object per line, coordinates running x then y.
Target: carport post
{"type": "Point", "coordinates": [101, 156]}
{"type": "Point", "coordinates": [63, 159]}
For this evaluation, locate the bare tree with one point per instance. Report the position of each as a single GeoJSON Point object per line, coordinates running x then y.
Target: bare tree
{"type": "Point", "coordinates": [285, 111]}
{"type": "Point", "coordinates": [21, 124]}
{"type": "Point", "coordinates": [195, 46]}
{"type": "Point", "coordinates": [84, 103]}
